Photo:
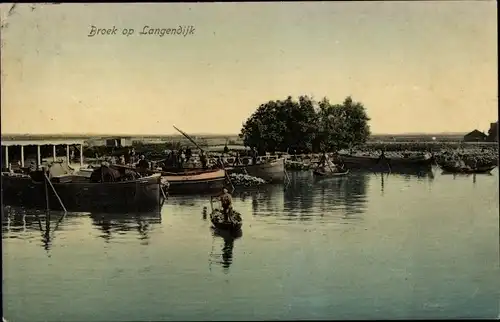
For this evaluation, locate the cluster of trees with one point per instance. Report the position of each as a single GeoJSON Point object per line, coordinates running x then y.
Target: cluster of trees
{"type": "Point", "coordinates": [493, 133]}
{"type": "Point", "coordinates": [306, 126]}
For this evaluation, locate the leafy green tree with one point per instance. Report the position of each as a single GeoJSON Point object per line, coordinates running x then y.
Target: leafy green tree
{"type": "Point", "coordinates": [306, 125]}
{"type": "Point", "coordinates": [281, 125]}
{"type": "Point", "coordinates": [341, 125]}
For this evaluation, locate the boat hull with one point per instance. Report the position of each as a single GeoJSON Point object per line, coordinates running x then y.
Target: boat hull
{"type": "Point", "coordinates": [139, 195]}
{"type": "Point", "coordinates": [320, 174]}
{"type": "Point", "coordinates": [273, 171]}
{"type": "Point", "coordinates": [196, 182]}
{"type": "Point", "coordinates": [387, 164]}
{"type": "Point", "coordinates": [234, 225]}
{"type": "Point", "coordinates": [456, 170]}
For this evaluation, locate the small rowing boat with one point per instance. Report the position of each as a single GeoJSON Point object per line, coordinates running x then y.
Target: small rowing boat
{"type": "Point", "coordinates": [329, 174]}
{"type": "Point", "coordinates": [233, 224]}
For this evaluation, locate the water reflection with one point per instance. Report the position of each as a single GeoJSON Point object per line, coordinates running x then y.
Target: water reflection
{"type": "Point", "coordinates": [113, 225]}
{"type": "Point", "coordinates": [18, 223]}
{"type": "Point", "coordinates": [347, 193]}
{"type": "Point", "coordinates": [225, 258]}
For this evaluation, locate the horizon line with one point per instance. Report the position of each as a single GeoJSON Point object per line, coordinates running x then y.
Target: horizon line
{"type": "Point", "coordinates": [150, 135]}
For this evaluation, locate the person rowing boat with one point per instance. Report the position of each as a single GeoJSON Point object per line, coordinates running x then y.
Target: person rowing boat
{"type": "Point", "coordinates": [227, 204]}
{"type": "Point", "coordinates": [326, 165]}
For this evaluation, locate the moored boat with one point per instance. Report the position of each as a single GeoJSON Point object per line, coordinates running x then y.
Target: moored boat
{"type": "Point", "coordinates": [79, 193]}
{"type": "Point", "coordinates": [234, 224]}
{"type": "Point", "coordinates": [272, 171]}
{"type": "Point", "coordinates": [193, 182]}
{"type": "Point", "coordinates": [330, 174]}
{"type": "Point", "coordinates": [386, 163]}
{"type": "Point", "coordinates": [451, 169]}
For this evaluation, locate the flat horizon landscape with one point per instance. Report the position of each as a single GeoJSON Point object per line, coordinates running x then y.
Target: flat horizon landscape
{"type": "Point", "coordinates": [202, 135]}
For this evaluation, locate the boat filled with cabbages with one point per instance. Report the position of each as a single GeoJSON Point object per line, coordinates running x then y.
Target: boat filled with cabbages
{"type": "Point", "coordinates": [270, 171]}
{"type": "Point", "coordinates": [383, 162]}
{"type": "Point", "coordinates": [233, 223]}
{"type": "Point", "coordinates": [455, 169]}
{"type": "Point", "coordinates": [105, 190]}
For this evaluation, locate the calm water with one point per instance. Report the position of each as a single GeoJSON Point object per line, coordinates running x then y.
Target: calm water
{"type": "Point", "coordinates": [369, 246]}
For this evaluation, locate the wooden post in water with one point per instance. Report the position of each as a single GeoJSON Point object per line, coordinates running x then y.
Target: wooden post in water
{"type": "Point", "coordinates": [81, 155]}
{"type": "Point", "coordinates": [67, 154]}
{"type": "Point", "coordinates": [38, 157]}
{"type": "Point", "coordinates": [6, 156]}
{"type": "Point", "coordinates": [47, 214]}
{"type": "Point", "coordinates": [22, 156]}
{"type": "Point", "coordinates": [47, 180]}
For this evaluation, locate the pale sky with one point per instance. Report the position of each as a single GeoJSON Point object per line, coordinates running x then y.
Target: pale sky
{"type": "Point", "coordinates": [416, 66]}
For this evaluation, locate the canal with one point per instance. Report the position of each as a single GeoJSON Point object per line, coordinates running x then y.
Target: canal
{"type": "Point", "coordinates": [368, 246]}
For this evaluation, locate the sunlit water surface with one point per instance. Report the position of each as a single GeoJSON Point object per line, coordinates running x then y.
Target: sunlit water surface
{"type": "Point", "coordinates": [368, 246]}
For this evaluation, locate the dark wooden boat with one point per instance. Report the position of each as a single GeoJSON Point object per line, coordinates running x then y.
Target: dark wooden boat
{"type": "Point", "coordinates": [385, 163]}
{"type": "Point", "coordinates": [272, 171]}
{"type": "Point", "coordinates": [330, 174]}
{"type": "Point", "coordinates": [451, 169]}
{"type": "Point", "coordinates": [227, 234]}
{"type": "Point", "coordinates": [80, 193]}
{"type": "Point", "coordinates": [234, 224]}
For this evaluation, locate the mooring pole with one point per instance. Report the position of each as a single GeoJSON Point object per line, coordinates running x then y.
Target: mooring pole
{"type": "Point", "coordinates": [286, 172]}
{"type": "Point", "coordinates": [47, 214]}
{"type": "Point", "coordinates": [55, 192]}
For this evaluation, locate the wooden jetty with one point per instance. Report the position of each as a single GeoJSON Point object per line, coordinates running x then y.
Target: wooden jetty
{"type": "Point", "coordinates": [9, 142]}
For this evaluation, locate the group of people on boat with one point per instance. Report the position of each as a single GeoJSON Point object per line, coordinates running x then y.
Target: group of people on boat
{"type": "Point", "coordinates": [177, 159]}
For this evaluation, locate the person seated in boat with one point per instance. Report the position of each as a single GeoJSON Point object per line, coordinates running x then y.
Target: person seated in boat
{"type": "Point", "coordinates": [329, 166]}
{"type": "Point", "coordinates": [237, 160]}
{"type": "Point", "coordinates": [173, 159]}
{"type": "Point", "coordinates": [219, 162]}
{"type": "Point", "coordinates": [254, 154]}
{"type": "Point", "coordinates": [122, 160]}
{"type": "Point", "coordinates": [323, 158]}
{"type": "Point", "coordinates": [189, 154]}
{"type": "Point", "coordinates": [143, 163]}
{"type": "Point", "coordinates": [324, 162]}
{"type": "Point", "coordinates": [475, 162]}
{"type": "Point", "coordinates": [227, 204]}
{"type": "Point", "coordinates": [203, 160]}
{"type": "Point", "coordinates": [182, 158]}
{"type": "Point", "coordinates": [459, 163]}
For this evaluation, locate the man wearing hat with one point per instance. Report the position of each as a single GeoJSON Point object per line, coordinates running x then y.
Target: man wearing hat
{"type": "Point", "coordinates": [227, 204]}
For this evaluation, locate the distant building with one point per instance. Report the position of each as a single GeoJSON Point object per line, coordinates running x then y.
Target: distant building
{"type": "Point", "coordinates": [475, 136]}
{"type": "Point", "coordinates": [493, 132]}
{"type": "Point", "coordinates": [118, 142]}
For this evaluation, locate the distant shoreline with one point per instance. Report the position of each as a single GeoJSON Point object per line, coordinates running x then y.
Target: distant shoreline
{"type": "Point", "coordinates": [14, 136]}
